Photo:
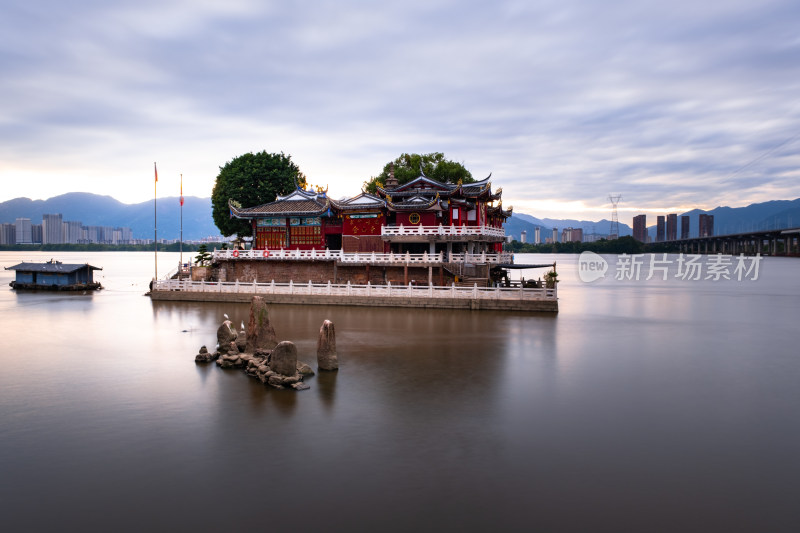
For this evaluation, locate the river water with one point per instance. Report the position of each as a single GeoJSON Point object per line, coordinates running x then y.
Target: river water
{"type": "Point", "coordinates": [644, 405]}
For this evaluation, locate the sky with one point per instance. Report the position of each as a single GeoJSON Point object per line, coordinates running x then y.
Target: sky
{"type": "Point", "coordinates": [672, 105]}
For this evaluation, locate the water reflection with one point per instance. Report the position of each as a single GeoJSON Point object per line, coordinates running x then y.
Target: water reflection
{"type": "Point", "coordinates": [636, 398]}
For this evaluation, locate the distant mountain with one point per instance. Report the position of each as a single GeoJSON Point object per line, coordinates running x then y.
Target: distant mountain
{"type": "Point", "coordinates": [96, 210]}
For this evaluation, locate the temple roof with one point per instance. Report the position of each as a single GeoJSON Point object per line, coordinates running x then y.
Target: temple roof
{"type": "Point", "coordinates": [415, 203]}
{"type": "Point", "coordinates": [363, 201]}
{"type": "Point", "coordinates": [499, 211]}
{"type": "Point", "coordinates": [421, 193]}
{"type": "Point", "coordinates": [423, 185]}
{"type": "Point", "coordinates": [297, 203]}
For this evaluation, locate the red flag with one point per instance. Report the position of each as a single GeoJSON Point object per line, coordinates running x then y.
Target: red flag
{"type": "Point", "coordinates": [156, 169]}
{"type": "Point", "coordinates": [181, 190]}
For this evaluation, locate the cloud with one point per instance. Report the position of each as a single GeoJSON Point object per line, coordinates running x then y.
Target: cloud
{"type": "Point", "coordinates": [563, 101]}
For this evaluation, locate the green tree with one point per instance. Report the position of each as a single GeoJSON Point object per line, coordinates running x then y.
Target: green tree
{"type": "Point", "coordinates": [251, 180]}
{"type": "Point", "coordinates": [203, 256]}
{"type": "Point", "coordinates": [434, 165]}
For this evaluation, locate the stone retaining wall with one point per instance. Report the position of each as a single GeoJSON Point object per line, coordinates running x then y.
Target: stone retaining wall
{"type": "Point", "coordinates": [543, 306]}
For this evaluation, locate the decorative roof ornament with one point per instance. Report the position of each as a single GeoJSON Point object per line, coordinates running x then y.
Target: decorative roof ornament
{"type": "Point", "coordinates": [421, 172]}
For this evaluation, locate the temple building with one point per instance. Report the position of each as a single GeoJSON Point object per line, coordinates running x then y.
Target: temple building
{"type": "Point", "coordinates": [398, 219]}
{"type": "Point", "coordinates": [399, 234]}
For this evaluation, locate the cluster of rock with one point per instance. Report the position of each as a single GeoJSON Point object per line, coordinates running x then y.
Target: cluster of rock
{"type": "Point", "coordinates": [259, 353]}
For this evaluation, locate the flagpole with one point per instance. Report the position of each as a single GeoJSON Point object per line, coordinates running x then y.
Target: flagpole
{"type": "Point", "coordinates": [155, 220]}
{"type": "Point", "coordinates": [180, 269]}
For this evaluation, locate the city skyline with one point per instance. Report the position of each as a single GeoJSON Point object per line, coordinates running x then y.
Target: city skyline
{"type": "Point", "coordinates": [562, 103]}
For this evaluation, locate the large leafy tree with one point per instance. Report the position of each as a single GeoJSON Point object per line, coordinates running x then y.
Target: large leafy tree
{"type": "Point", "coordinates": [434, 165]}
{"type": "Point", "coordinates": [251, 180]}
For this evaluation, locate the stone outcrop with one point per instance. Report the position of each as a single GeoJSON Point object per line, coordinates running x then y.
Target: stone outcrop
{"type": "Point", "coordinates": [304, 369]}
{"type": "Point", "coordinates": [225, 335]}
{"type": "Point", "coordinates": [283, 359]}
{"type": "Point", "coordinates": [263, 357]}
{"type": "Point", "coordinates": [326, 347]}
{"type": "Point", "coordinates": [260, 333]}
{"type": "Point", "coordinates": [205, 356]}
{"type": "Point", "coordinates": [241, 341]}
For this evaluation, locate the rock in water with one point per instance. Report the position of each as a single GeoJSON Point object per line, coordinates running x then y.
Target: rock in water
{"type": "Point", "coordinates": [225, 335]}
{"type": "Point", "coordinates": [260, 333]}
{"type": "Point", "coordinates": [205, 357]}
{"type": "Point", "coordinates": [326, 347]}
{"type": "Point", "coordinates": [241, 341]}
{"type": "Point", "coordinates": [284, 359]}
{"type": "Point", "coordinates": [304, 369]}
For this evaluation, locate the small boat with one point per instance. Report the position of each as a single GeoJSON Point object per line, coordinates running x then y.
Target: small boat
{"type": "Point", "coordinates": [55, 275]}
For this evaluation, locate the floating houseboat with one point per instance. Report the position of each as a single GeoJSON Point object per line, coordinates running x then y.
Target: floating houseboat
{"type": "Point", "coordinates": [420, 244]}
{"type": "Point", "coordinates": [55, 275]}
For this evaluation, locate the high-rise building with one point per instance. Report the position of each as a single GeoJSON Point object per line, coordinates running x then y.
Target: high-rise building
{"type": "Point", "coordinates": [93, 233]}
{"type": "Point", "coordinates": [8, 233]}
{"type": "Point", "coordinates": [73, 232]}
{"type": "Point", "coordinates": [523, 236]}
{"type": "Point", "coordinates": [640, 228]}
{"type": "Point", "coordinates": [555, 234]}
{"type": "Point", "coordinates": [52, 231]}
{"type": "Point", "coordinates": [672, 227]}
{"type": "Point", "coordinates": [706, 225]}
{"type": "Point", "coordinates": [660, 228]}
{"type": "Point", "coordinates": [572, 235]}
{"type": "Point", "coordinates": [36, 233]}
{"type": "Point", "coordinates": [685, 227]}
{"type": "Point", "coordinates": [537, 235]}
{"type": "Point", "coordinates": [127, 236]}
{"type": "Point", "coordinates": [23, 230]}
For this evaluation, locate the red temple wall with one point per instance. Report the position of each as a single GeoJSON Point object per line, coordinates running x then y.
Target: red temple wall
{"type": "Point", "coordinates": [426, 218]}
{"type": "Point", "coordinates": [363, 226]}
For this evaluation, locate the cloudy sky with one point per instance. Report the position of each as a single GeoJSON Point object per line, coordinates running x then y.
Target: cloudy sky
{"type": "Point", "coordinates": [674, 105]}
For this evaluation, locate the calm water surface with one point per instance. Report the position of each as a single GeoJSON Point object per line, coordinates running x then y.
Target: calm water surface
{"type": "Point", "coordinates": [643, 406]}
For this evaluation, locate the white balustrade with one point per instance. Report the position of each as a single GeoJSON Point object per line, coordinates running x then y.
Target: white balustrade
{"type": "Point", "coordinates": [401, 230]}
{"type": "Point", "coordinates": [393, 291]}
{"type": "Point", "coordinates": [364, 258]}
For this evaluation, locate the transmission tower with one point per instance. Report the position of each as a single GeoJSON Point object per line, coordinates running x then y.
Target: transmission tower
{"type": "Point", "coordinates": [614, 199]}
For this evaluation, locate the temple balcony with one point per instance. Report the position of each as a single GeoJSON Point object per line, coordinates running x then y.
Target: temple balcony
{"type": "Point", "coordinates": [442, 233]}
{"type": "Point", "coordinates": [368, 258]}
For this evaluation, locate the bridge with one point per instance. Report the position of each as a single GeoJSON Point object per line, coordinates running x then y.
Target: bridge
{"type": "Point", "coordinates": [784, 241]}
